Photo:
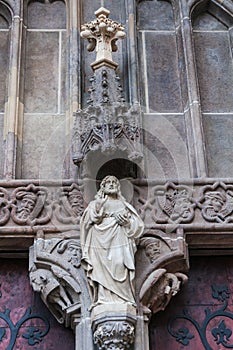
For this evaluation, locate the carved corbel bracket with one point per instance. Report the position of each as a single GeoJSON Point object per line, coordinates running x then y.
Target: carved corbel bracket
{"type": "Point", "coordinates": [55, 272]}
{"type": "Point", "coordinates": [161, 259]}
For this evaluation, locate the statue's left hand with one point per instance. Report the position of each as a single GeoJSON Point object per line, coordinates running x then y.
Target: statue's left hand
{"type": "Point", "coordinates": [122, 219]}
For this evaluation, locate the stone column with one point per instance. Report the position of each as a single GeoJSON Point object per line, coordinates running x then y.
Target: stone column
{"type": "Point", "coordinates": [193, 107]}
{"type": "Point", "coordinates": [14, 106]}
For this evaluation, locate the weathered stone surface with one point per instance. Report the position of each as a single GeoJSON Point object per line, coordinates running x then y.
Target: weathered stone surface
{"type": "Point", "coordinates": [43, 151]}
{"type": "Point", "coordinates": [117, 9]}
{"type": "Point", "coordinates": [218, 136]}
{"type": "Point", "coordinates": [4, 56]}
{"type": "Point", "coordinates": [41, 83]}
{"type": "Point", "coordinates": [207, 22]}
{"type": "Point", "coordinates": [165, 156]}
{"type": "Point", "coordinates": [155, 15]}
{"type": "Point", "coordinates": [215, 71]}
{"type": "Point", "coordinates": [47, 15]}
{"type": "Point", "coordinates": [63, 69]}
{"type": "Point", "coordinates": [3, 23]}
{"type": "Point", "coordinates": [162, 72]}
{"type": "Point", "coordinates": [1, 144]}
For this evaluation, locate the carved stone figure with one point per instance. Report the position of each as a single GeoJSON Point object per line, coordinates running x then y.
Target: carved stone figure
{"type": "Point", "coordinates": [74, 250]}
{"type": "Point", "coordinates": [52, 291]}
{"type": "Point", "coordinates": [110, 228]}
{"type": "Point", "coordinates": [160, 286]}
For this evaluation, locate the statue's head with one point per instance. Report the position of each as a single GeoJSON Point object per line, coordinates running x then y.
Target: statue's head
{"type": "Point", "coordinates": [109, 185]}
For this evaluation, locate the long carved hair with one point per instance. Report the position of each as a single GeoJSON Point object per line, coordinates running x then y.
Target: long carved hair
{"type": "Point", "coordinates": [101, 194]}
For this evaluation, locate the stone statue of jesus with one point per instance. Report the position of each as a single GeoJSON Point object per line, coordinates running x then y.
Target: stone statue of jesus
{"type": "Point", "coordinates": [110, 228]}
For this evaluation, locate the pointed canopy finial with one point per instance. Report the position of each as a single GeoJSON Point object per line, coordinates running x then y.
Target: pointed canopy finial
{"type": "Point", "coordinates": [102, 34]}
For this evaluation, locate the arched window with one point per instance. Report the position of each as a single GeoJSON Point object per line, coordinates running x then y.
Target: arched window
{"type": "Point", "coordinates": [5, 23]}
{"type": "Point", "coordinates": [44, 90]}
{"type": "Point", "coordinates": [157, 43]}
{"type": "Point", "coordinates": [212, 33]}
{"type": "Point", "coordinates": [160, 90]}
{"type": "Point", "coordinates": [4, 54]}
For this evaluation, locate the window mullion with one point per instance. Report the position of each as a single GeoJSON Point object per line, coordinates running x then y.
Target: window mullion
{"type": "Point", "coordinates": [14, 105]}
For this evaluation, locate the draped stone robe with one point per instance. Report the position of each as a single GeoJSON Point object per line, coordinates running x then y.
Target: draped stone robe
{"type": "Point", "coordinates": [108, 250]}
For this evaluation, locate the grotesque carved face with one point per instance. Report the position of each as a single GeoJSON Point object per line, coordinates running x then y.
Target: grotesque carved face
{"type": "Point", "coordinates": [182, 207]}
{"type": "Point", "coordinates": [214, 201]}
{"type": "Point", "coordinates": [26, 206]}
{"type": "Point", "coordinates": [153, 250]}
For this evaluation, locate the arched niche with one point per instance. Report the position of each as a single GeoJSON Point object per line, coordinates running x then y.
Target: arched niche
{"type": "Point", "coordinates": [213, 40]}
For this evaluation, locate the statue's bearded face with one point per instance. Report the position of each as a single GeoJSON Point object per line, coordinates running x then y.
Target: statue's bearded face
{"type": "Point", "coordinates": [111, 185]}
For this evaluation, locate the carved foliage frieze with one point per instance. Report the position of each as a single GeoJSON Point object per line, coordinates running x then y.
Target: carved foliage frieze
{"type": "Point", "coordinates": [169, 204]}
{"type": "Point", "coordinates": [33, 205]}
{"type": "Point", "coordinates": [186, 204]}
{"type": "Point", "coordinates": [4, 206]}
{"type": "Point", "coordinates": [29, 205]}
{"type": "Point", "coordinates": [216, 203]}
{"type": "Point", "coordinates": [69, 205]}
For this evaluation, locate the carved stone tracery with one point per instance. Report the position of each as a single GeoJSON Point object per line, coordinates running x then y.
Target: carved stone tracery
{"type": "Point", "coordinates": [108, 124]}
